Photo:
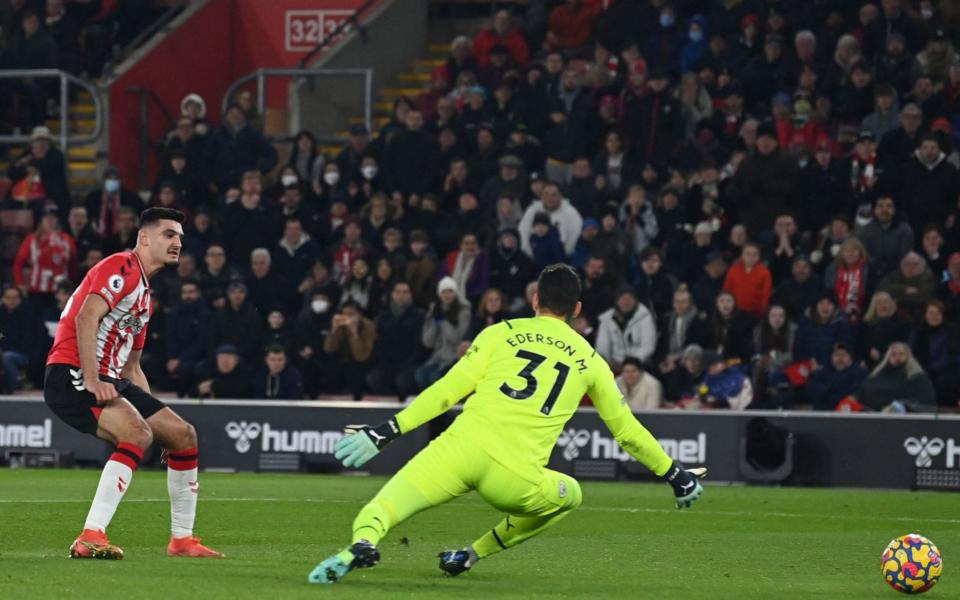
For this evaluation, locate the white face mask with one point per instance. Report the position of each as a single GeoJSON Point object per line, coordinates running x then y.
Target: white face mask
{"type": "Point", "coordinates": [331, 177]}
{"type": "Point", "coordinates": [369, 171]}
{"type": "Point", "coordinates": [319, 306]}
{"type": "Point", "coordinates": [288, 180]}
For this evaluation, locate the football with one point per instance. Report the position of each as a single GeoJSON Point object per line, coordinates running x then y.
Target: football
{"type": "Point", "coordinates": [911, 564]}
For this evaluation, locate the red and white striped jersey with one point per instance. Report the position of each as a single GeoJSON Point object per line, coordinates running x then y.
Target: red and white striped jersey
{"type": "Point", "coordinates": [49, 256]}
{"type": "Point", "coordinates": [118, 279]}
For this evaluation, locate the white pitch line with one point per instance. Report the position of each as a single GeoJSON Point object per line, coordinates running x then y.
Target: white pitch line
{"type": "Point", "coordinates": [695, 511]}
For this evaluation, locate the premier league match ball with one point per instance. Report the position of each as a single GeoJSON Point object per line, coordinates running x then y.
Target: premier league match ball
{"type": "Point", "coordinates": [911, 564]}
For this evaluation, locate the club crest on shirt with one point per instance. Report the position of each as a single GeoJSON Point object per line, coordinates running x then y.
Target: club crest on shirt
{"type": "Point", "coordinates": [131, 322]}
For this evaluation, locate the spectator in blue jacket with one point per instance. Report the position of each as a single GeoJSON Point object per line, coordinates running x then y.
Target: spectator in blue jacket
{"type": "Point", "coordinates": [698, 35]}
{"type": "Point", "coordinates": [545, 242]}
{"type": "Point", "coordinates": [398, 345]}
{"type": "Point", "coordinates": [20, 331]}
{"type": "Point", "coordinates": [277, 380]}
{"type": "Point", "coordinates": [832, 382]}
{"type": "Point", "coordinates": [233, 149]}
{"type": "Point", "coordinates": [187, 327]}
{"type": "Point", "coordinates": [820, 330]}
{"type": "Point", "coordinates": [295, 252]}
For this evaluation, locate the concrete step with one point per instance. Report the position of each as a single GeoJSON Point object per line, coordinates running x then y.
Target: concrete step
{"type": "Point", "coordinates": [394, 93]}
{"type": "Point", "coordinates": [73, 125]}
{"type": "Point", "coordinates": [378, 121]}
{"type": "Point", "coordinates": [427, 64]}
{"type": "Point", "coordinates": [82, 153]}
{"type": "Point", "coordinates": [330, 150]}
{"type": "Point", "coordinates": [82, 110]}
{"type": "Point", "coordinates": [414, 77]}
{"type": "Point", "coordinates": [439, 49]}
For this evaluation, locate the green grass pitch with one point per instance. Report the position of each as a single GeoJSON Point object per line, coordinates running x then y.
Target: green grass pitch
{"type": "Point", "coordinates": [626, 540]}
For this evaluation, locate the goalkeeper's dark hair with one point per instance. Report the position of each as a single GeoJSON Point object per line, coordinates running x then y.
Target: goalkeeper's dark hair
{"type": "Point", "coordinates": [559, 289]}
{"type": "Point", "coordinates": [155, 213]}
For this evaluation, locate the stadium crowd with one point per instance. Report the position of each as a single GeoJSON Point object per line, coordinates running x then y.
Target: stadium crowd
{"type": "Point", "coordinates": [761, 197]}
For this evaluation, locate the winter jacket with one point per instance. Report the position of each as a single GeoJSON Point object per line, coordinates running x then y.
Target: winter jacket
{"type": "Point", "coordinates": [751, 290]}
{"type": "Point", "coordinates": [228, 155]}
{"type": "Point", "coordinates": [286, 385]}
{"type": "Point", "coordinates": [187, 330]}
{"type": "Point", "coordinates": [293, 261]}
{"type": "Point", "coordinates": [398, 338]}
{"type": "Point", "coordinates": [815, 340]}
{"type": "Point", "coordinates": [342, 345]}
{"type": "Point", "coordinates": [646, 395]}
{"type": "Point", "coordinates": [20, 329]}
{"type": "Point", "coordinates": [897, 285]}
{"type": "Point", "coordinates": [763, 187]}
{"type": "Point", "coordinates": [928, 192]}
{"type": "Point", "coordinates": [892, 384]}
{"type": "Point", "coordinates": [637, 338]}
{"type": "Point", "coordinates": [565, 218]}
{"type": "Point", "coordinates": [443, 338]}
{"type": "Point", "coordinates": [886, 245]}
{"type": "Point", "coordinates": [241, 328]}
{"type": "Point", "coordinates": [827, 386]}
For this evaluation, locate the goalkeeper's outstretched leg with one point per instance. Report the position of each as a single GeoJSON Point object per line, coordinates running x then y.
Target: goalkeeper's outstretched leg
{"type": "Point", "coordinates": [530, 509]}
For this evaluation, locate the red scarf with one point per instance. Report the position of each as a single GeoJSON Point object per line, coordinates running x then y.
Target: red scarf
{"type": "Point", "coordinates": [863, 175]}
{"type": "Point", "coordinates": [850, 289]}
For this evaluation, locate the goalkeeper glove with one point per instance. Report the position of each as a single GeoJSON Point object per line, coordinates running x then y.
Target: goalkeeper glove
{"type": "Point", "coordinates": [362, 442]}
{"type": "Point", "coordinates": [686, 488]}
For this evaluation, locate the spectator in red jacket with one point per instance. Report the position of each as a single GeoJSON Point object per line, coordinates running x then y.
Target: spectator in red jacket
{"type": "Point", "coordinates": [749, 282]}
{"type": "Point", "coordinates": [570, 26]}
{"type": "Point", "coordinates": [50, 255]}
{"type": "Point", "coordinates": [501, 32]}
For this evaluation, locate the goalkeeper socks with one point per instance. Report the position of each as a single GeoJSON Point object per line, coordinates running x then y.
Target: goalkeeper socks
{"type": "Point", "coordinates": [472, 557]}
{"type": "Point", "coordinates": [114, 481]}
{"type": "Point", "coordinates": [182, 485]}
{"type": "Point", "coordinates": [512, 531]}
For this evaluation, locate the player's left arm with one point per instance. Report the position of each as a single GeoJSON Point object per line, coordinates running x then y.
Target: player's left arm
{"type": "Point", "coordinates": [638, 441]}
{"type": "Point", "coordinates": [134, 372]}
{"type": "Point", "coordinates": [363, 442]}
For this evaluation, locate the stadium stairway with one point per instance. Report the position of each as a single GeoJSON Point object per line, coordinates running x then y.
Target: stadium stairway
{"type": "Point", "coordinates": [409, 84]}
{"type": "Point", "coordinates": [81, 159]}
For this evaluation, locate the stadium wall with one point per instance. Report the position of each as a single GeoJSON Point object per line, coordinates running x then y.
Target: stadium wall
{"type": "Point", "coordinates": [871, 451]}
{"type": "Point", "coordinates": [215, 45]}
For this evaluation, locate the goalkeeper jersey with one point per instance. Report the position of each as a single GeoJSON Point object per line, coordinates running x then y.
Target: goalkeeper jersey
{"type": "Point", "coordinates": [528, 377]}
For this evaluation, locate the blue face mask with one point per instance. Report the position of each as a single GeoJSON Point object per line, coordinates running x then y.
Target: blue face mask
{"type": "Point", "coordinates": [696, 35]}
{"type": "Point", "coordinates": [666, 20]}
{"type": "Point", "coordinates": [112, 186]}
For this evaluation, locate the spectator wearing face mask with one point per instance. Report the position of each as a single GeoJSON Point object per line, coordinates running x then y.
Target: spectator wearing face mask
{"type": "Point", "coordinates": [104, 203]}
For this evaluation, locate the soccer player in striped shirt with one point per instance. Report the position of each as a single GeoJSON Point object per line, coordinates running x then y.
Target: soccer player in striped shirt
{"type": "Point", "coordinates": [94, 383]}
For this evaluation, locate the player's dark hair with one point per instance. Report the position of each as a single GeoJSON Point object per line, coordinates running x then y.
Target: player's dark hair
{"type": "Point", "coordinates": [559, 289]}
{"type": "Point", "coordinates": [156, 213]}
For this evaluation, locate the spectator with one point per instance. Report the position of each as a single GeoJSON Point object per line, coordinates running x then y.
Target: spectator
{"type": "Point", "coordinates": [820, 330]}
{"type": "Point", "coordinates": [627, 329]}
{"type": "Point", "coordinates": [41, 160]}
{"type": "Point", "coordinates": [570, 26]}
{"type": "Point", "coordinates": [664, 46]}
{"type": "Point", "coordinates": [124, 236]}
{"type": "Point", "coordinates": [359, 287]}
{"type": "Point", "coordinates": [295, 253]}
{"type": "Point", "coordinates": [104, 203]}
{"type": "Point", "coordinates": [897, 67]}
{"type": "Point", "coordinates": [215, 276]}
{"type": "Point", "coordinates": [278, 380]}
{"type": "Point", "coordinates": [503, 33]}
{"type": "Point", "coordinates": [912, 286]}
{"type": "Point", "coordinates": [187, 331]}
{"type": "Point", "coordinates": [227, 378]}
{"type": "Point", "coordinates": [561, 214]}
{"type": "Point", "coordinates": [411, 158]}
{"type": "Point", "coordinates": [930, 185]}
{"type": "Point", "coordinates": [545, 243]}
{"type": "Point", "coordinates": [491, 309]}
{"type": "Point", "coordinates": [862, 170]}
{"type": "Point", "coordinates": [234, 149]}
{"type": "Point", "coordinates": [886, 240]}
{"type": "Point", "coordinates": [265, 287]}
{"type": "Point", "coordinates": [641, 390]}
{"type": "Point", "coordinates": [898, 384]}
{"type": "Point", "coordinates": [348, 347]}
{"type": "Point", "coordinates": [20, 330]}
{"type": "Point", "coordinates": [654, 286]}
{"type": "Point", "coordinates": [31, 47]}
{"type": "Point", "coordinates": [276, 331]}
{"type": "Point", "coordinates": [49, 254]}
{"type": "Point", "coordinates": [949, 289]}
{"type": "Point", "coordinates": [932, 250]}
{"type": "Point", "coordinates": [849, 277]}
{"type": "Point", "coordinates": [183, 160]}
{"type": "Point", "coordinates": [446, 322]}
{"type": "Point", "coordinates": [729, 331]}
{"type": "Point", "coordinates": [399, 348]}
{"type": "Point", "coordinates": [236, 324]}
{"type": "Point", "coordinates": [247, 222]}
{"type": "Point", "coordinates": [885, 117]}
{"type": "Point", "coordinates": [611, 242]}
{"type": "Point", "coordinates": [656, 120]}
{"type": "Point", "coordinates": [510, 269]}
{"type": "Point", "coordinates": [678, 329]}
{"type": "Point", "coordinates": [572, 125]}
{"type": "Point", "coordinates": [684, 381]}
{"type": "Point", "coordinates": [469, 267]}
{"type": "Point", "coordinates": [797, 293]}
{"type": "Point", "coordinates": [350, 159]}
{"type": "Point", "coordinates": [710, 283]}
{"type": "Point", "coordinates": [749, 281]}
{"type": "Point", "coordinates": [936, 346]}
{"type": "Point", "coordinates": [421, 269]}
{"type": "Point", "coordinates": [773, 341]}
{"type": "Point", "coordinates": [351, 249]}
{"type": "Point", "coordinates": [764, 184]}
{"type": "Point", "coordinates": [306, 161]}
{"type": "Point", "coordinates": [838, 379]}
{"type": "Point", "coordinates": [897, 145]}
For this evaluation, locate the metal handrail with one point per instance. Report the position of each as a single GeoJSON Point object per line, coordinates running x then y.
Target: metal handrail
{"type": "Point", "coordinates": [65, 78]}
{"type": "Point", "coordinates": [146, 144]}
{"type": "Point", "coordinates": [261, 76]}
{"type": "Point", "coordinates": [353, 19]}
{"type": "Point", "coordinates": [151, 30]}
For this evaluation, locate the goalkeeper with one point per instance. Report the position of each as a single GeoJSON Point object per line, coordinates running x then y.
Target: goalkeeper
{"type": "Point", "coordinates": [526, 377]}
